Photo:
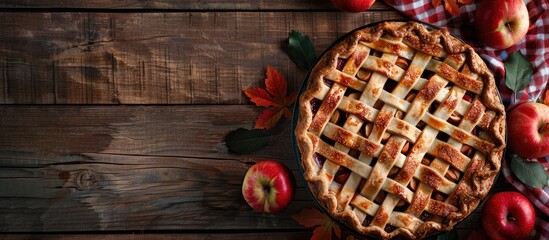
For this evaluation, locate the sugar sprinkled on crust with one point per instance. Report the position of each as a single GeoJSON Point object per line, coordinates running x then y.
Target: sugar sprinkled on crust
{"type": "Point", "coordinates": [475, 182]}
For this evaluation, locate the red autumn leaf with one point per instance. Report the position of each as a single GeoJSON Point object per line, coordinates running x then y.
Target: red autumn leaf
{"type": "Point", "coordinates": [268, 118]}
{"type": "Point", "coordinates": [290, 99]}
{"type": "Point", "coordinates": [452, 7]}
{"type": "Point", "coordinates": [310, 217]}
{"type": "Point", "coordinates": [322, 233]}
{"type": "Point", "coordinates": [336, 229]}
{"type": "Point", "coordinates": [274, 98]}
{"type": "Point", "coordinates": [323, 224]}
{"type": "Point", "coordinates": [260, 97]}
{"type": "Point", "coordinates": [275, 83]}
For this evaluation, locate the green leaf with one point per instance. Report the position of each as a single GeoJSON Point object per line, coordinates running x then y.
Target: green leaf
{"type": "Point", "coordinates": [243, 141]}
{"type": "Point", "coordinates": [451, 235]}
{"type": "Point", "coordinates": [301, 50]}
{"type": "Point", "coordinates": [529, 172]}
{"type": "Point", "coordinates": [518, 71]}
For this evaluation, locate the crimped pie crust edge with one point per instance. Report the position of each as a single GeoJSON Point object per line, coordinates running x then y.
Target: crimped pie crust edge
{"type": "Point", "coordinates": [481, 181]}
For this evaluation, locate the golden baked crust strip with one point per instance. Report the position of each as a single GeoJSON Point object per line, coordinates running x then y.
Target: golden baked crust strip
{"type": "Point", "coordinates": [442, 55]}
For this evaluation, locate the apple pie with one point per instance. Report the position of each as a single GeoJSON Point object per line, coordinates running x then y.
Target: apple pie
{"type": "Point", "coordinates": [401, 130]}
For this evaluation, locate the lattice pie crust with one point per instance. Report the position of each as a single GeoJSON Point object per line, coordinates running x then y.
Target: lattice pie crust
{"type": "Point", "coordinates": [401, 130]}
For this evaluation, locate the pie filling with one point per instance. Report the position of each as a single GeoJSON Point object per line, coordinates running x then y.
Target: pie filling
{"type": "Point", "coordinates": [401, 130]}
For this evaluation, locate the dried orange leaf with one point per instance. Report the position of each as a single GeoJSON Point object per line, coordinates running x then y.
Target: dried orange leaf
{"type": "Point", "coordinates": [337, 230]}
{"type": "Point", "coordinates": [275, 83]}
{"type": "Point", "coordinates": [546, 99]}
{"type": "Point", "coordinates": [310, 217]}
{"type": "Point", "coordinates": [269, 118]}
{"type": "Point", "coordinates": [290, 99]}
{"type": "Point", "coordinates": [322, 233]}
{"type": "Point", "coordinates": [260, 97]}
{"type": "Point", "coordinates": [324, 225]}
{"type": "Point", "coordinates": [466, 1]}
{"type": "Point", "coordinates": [274, 97]}
{"type": "Point", "coordinates": [436, 3]}
{"type": "Point", "coordinates": [287, 113]}
{"type": "Point", "coordinates": [452, 7]}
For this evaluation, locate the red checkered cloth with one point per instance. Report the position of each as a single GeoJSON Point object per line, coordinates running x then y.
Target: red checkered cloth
{"type": "Point", "coordinates": [535, 46]}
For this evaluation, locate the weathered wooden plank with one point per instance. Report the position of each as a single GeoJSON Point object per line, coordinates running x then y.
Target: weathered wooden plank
{"type": "Point", "coordinates": [157, 130]}
{"type": "Point", "coordinates": [84, 168]}
{"type": "Point", "coordinates": [154, 58]}
{"type": "Point", "coordinates": [105, 192]}
{"type": "Point", "coordinates": [289, 235]}
{"type": "Point", "coordinates": [90, 168]}
{"type": "Point", "coordinates": [179, 5]}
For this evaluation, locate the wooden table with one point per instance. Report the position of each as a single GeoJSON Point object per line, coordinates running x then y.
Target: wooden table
{"type": "Point", "coordinates": [114, 114]}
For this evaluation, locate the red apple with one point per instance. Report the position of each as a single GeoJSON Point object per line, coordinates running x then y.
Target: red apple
{"type": "Point", "coordinates": [501, 24]}
{"type": "Point", "coordinates": [268, 186]}
{"type": "Point", "coordinates": [528, 130]}
{"type": "Point", "coordinates": [508, 215]}
{"type": "Point", "coordinates": [353, 6]}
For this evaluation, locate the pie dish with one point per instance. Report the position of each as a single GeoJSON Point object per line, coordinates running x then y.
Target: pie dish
{"type": "Point", "coordinates": [400, 130]}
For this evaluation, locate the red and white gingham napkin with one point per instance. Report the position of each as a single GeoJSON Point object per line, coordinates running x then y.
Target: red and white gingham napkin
{"type": "Point", "coordinates": [535, 46]}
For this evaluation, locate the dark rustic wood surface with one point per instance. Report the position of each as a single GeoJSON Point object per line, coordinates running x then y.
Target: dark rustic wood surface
{"type": "Point", "coordinates": [172, 5]}
{"type": "Point", "coordinates": [113, 114]}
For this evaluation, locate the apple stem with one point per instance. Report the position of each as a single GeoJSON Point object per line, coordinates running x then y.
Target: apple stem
{"type": "Point", "coordinates": [508, 25]}
{"type": "Point", "coordinates": [510, 218]}
{"type": "Point", "coordinates": [543, 127]}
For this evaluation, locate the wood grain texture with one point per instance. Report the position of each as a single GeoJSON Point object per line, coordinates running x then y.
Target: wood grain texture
{"type": "Point", "coordinates": [90, 168]}
{"type": "Point", "coordinates": [155, 58]}
{"type": "Point", "coordinates": [105, 192]}
{"type": "Point", "coordinates": [266, 235]}
{"type": "Point", "coordinates": [317, 5]}
{"type": "Point", "coordinates": [180, 130]}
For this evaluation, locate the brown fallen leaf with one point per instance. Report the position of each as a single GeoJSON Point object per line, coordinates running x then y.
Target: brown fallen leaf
{"type": "Point", "coordinates": [323, 225]}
